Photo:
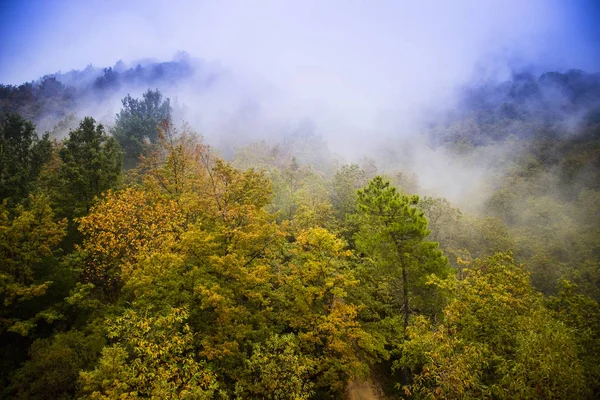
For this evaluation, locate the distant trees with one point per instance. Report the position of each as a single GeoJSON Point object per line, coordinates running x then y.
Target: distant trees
{"type": "Point", "coordinates": [346, 181]}
{"type": "Point", "coordinates": [137, 123]}
{"type": "Point", "coordinates": [46, 99]}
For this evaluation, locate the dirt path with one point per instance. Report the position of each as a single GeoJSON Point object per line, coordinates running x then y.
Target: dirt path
{"type": "Point", "coordinates": [359, 390]}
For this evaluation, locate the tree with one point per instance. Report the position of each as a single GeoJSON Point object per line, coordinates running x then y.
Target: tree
{"type": "Point", "coordinates": [91, 164]}
{"type": "Point", "coordinates": [287, 182]}
{"type": "Point", "coordinates": [53, 368]}
{"type": "Point", "coordinates": [22, 155]}
{"type": "Point", "coordinates": [314, 303]}
{"type": "Point", "coordinates": [137, 123]}
{"type": "Point", "coordinates": [277, 370]}
{"type": "Point", "coordinates": [448, 227]}
{"type": "Point", "coordinates": [231, 248]}
{"type": "Point", "coordinates": [496, 340]}
{"type": "Point", "coordinates": [122, 228]}
{"type": "Point", "coordinates": [392, 231]}
{"type": "Point", "coordinates": [312, 200]}
{"type": "Point", "coordinates": [151, 357]}
{"type": "Point", "coordinates": [396, 263]}
{"type": "Point", "coordinates": [582, 314]}
{"type": "Point", "coordinates": [29, 246]}
{"type": "Point", "coordinates": [346, 181]}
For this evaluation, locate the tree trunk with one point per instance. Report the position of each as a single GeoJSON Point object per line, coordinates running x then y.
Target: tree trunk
{"type": "Point", "coordinates": [405, 371]}
{"type": "Point", "coordinates": [405, 299]}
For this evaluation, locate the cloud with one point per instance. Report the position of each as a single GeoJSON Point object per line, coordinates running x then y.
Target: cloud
{"type": "Point", "coordinates": [367, 65]}
{"type": "Point", "coordinates": [363, 51]}
{"type": "Point", "coordinates": [363, 71]}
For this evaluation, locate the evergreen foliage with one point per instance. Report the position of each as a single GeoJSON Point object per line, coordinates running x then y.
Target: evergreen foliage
{"type": "Point", "coordinates": [138, 122]}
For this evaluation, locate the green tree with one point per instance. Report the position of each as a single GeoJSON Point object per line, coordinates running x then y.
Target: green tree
{"type": "Point", "coordinates": [287, 182]}
{"type": "Point", "coordinates": [392, 232]}
{"type": "Point", "coordinates": [137, 123]}
{"type": "Point", "coordinates": [448, 228]}
{"type": "Point", "coordinates": [582, 314]}
{"type": "Point", "coordinates": [394, 268]}
{"type": "Point", "coordinates": [29, 247]}
{"type": "Point", "coordinates": [52, 370]}
{"type": "Point", "coordinates": [22, 155]}
{"type": "Point", "coordinates": [32, 282]}
{"type": "Point", "coordinates": [314, 208]}
{"type": "Point", "coordinates": [277, 370]}
{"type": "Point", "coordinates": [91, 164]}
{"type": "Point", "coordinates": [346, 181]}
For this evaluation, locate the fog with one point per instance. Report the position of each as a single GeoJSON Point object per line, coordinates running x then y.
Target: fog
{"type": "Point", "coordinates": [368, 75]}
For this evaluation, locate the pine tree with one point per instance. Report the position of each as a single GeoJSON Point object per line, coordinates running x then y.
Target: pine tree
{"type": "Point", "coordinates": [138, 122]}
{"type": "Point", "coordinates": [392, 232]}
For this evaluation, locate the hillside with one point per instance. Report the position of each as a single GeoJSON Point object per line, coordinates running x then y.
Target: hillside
{"type": "Point", "coordinates": [461, 260]}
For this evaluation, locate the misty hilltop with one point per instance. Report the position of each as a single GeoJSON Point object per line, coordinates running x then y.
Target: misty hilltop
{"type": "Point", "coordinates": [54, 97]}
{"type": "Point", "coordinates": [551, 103]}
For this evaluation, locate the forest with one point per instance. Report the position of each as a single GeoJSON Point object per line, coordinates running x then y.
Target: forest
{"type": "Point", "coordinates": [139, 261]}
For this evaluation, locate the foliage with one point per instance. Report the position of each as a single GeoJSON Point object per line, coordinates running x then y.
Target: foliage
{"type": "Point", "coordinates": [582, 314]}
{"type": "Point", "coordinates": [209, 279]}
{"type": "Point", "coordinates": [90, 165]}
{"type": "Point", "coordinates": [392, 232]}
{"type": "Point", "coordinates": [123, 227]}
{"type": "Point", "coordinates": [277, 370]}
{"type": "Point", "coordinates": [346, 181]}
{"type": "Point", "coordinates": [137, 123]}
{"type": "Point", "coordinates": [54, 365]}
{"type": "Point", "coordinates": [22, 154]}
{"type": "Point", "coordinates": [151, 357]}
{"type": "Point", "coordinates": [496, 340]}
{"type": "Point", "coordinates": [29, 247]}
{"type": "Point", "coordinates": [313, 288]}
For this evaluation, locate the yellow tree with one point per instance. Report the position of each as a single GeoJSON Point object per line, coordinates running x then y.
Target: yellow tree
{"type": "Point", "coordinates": [496, 340]}
{"type": "Point", "coordinates": [176, 164]}
{"type": "Point", "coordinates": [123, 227]}
{"type": "Point", "coordinates": [231, 247]}
{"type": "Point", "coordinates": [314, 304]}
{"type": "Point", "coordinates": [134, 223]}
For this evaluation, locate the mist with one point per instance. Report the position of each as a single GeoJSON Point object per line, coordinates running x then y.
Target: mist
{"type": "Point", "coordinates": [371, 77]}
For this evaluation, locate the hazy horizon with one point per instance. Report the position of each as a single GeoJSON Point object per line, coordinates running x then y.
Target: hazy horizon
{"type": "Point", "coordinates": [304, 44]}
